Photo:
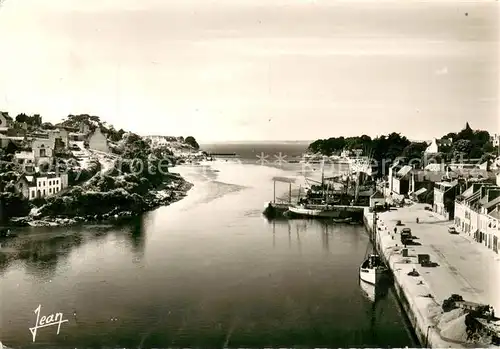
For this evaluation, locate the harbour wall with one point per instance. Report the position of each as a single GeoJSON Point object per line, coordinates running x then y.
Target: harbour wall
{"type": "Point", "coordinates": [424, 331]}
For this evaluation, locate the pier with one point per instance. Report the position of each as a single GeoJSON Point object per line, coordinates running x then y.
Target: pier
{"type": "Point", "coordinates": [458, 266]}
{"type": "Point", "coordinates": [223, 154]}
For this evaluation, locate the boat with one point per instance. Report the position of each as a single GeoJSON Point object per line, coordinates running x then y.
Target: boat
{"type": "Point", "coordinates": [316, 211]}
{"type": "Point", "coordinates": [368, 290]}
{"type": "Point", "coordinates": [372, 269]}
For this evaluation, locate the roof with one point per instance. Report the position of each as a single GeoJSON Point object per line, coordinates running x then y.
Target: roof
{"type": "Point", "coordinates": [404, 170]}
{"type": "Point", "coordinates": [492, 203]}
{"type": "Point", "coordinates": [473, 197]}
{"type": "Point", "coordinates": [434, 167]}
{"type": "Point", "coordinates": [420, 191]}
{"type": "Point", "coordinates": [6, 116]}
{"type": "Point", "coordinates": [284, 179]}
{"type": "Point", "coordinates": [495, 214]}
{"type": "Point", "coordinates": [447, 184]}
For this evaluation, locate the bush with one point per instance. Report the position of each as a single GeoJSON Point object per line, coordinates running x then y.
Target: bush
{"type": "Point", "coordinates": [13, 205]}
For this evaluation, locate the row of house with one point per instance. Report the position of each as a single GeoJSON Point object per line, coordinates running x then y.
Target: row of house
{"type": "Point", "coordinates": [477, 213]}
{"type": "Point", "coordinates": [39, 147]}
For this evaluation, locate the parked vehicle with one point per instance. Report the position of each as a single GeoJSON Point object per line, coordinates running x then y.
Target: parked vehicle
{"type": "Point", "coordinates": [406, 235]}
{"type": "Point", "coordinates": [452, 230]}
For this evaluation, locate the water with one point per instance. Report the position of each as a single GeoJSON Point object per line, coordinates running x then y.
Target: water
{"type": "Point", "coordinates": [207, 271]}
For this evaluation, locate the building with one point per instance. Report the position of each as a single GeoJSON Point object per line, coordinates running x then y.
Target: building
{"type": "Point", "coordinates": [495, 140]}
{"type": "Point", "coordinates": [6, 122]}
{"type": "Point", "coordinates": [401, 180]}
{"type": "Point", "coordinates": [477, 213]}
{"type": "Point", "coordinates": [392, 173]}
{"type": "Point", "coordinates": [419, 195]}
{"type": "Point", "coordinates": [98, 141]}
{"type": "Point", "coordinates": [377, 198]}
{"type": "Point", "coordinates": [498, 179]}
{"type": "Point", "coordinates": [26, 160]}
{"type": "Point", "coordinates": [444, 199]}
{"type": "Point", "coordinates": [34, 187]}
{"type": "Point", "coordinates": [59, 138]}
{"type": "Point", "coordinates": [43, 150]}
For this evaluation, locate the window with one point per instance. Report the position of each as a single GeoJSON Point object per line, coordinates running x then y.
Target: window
{"type": "Point", "coordinates": [50, 190]}
{"type": "Point", "coordinates": [44, 192]}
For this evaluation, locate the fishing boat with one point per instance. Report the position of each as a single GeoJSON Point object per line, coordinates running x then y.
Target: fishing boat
{"type": "Point", "coordinates": [368, 290]}
{"type": "Point", "coordinates": [316, 211]}
{"type": "Point", "coordinates": [372, 269]}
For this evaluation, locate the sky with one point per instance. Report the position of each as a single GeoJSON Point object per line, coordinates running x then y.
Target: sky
{"type": "Point", "coordinates": [224, 70]}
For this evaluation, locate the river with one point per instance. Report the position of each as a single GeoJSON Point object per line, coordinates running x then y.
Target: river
{"type": "Point", "coordinates": [207, 271]}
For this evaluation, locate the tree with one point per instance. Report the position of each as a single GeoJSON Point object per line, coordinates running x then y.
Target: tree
{"type": "Point", "coordinates": [466, 133]}
{"type": "Point", "coordinates": [462, 146]}
{"type": "Point", "coordinates": [414, 150]}
{"type": "Point", "coordinates": [22, 117]}
{"type": "Point", "coordinates": [192, 142]}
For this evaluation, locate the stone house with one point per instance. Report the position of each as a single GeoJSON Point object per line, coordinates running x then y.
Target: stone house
{"type": "Point", "coordinates": [98, 141]}
{"type": "Point", "coordinates": [6, 122]}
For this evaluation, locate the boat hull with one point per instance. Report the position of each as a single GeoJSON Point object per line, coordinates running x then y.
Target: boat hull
{"type": "Point", "coordinates": [313, 212]}
{"type": "Point", "coordinates": [371, 276]}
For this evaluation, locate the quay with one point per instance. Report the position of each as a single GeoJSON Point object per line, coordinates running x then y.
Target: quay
{"type": "Point", "coordinates": [223, 154]}
{"type": "Point", "coordinates": [460, 266]}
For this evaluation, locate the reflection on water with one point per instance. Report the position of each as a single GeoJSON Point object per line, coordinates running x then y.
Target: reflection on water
{"type": "Point", "coordinates": [42, 249]}
{"type": "Point", "coordinates": [216, 274]}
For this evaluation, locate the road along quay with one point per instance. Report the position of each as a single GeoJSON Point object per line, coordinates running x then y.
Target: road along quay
{"type": "Point", "coordinates": [457, 265]}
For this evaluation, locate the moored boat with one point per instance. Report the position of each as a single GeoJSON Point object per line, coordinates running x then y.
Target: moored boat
{"type": "Point", "coordinates": [372, 269]}
{"type": "Point", "coordinates": [317, 211]}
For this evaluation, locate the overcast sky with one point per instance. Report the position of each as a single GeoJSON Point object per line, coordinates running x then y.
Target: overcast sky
{"type": "Point", "coordinates": [254, 69]}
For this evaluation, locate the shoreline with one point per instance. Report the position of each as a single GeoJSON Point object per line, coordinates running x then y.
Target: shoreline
{"type": "Point", "coordinates": [159, 197]}
{"type": "Point", "coordinates": [421, 297]}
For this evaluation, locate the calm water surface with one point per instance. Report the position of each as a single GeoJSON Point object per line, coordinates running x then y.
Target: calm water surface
{"type": "Point", "coordinates": [207, 271]}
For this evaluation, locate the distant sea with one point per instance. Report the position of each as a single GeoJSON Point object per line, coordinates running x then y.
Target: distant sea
{"type": "Point", "coordinates": [254, 150]}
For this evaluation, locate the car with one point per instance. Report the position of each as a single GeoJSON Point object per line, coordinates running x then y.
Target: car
{"type": "Point", "coordinates": [452, 230]}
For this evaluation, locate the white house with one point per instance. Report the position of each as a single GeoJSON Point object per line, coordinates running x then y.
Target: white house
{"type": "Point", "coordinates": [98, 141]}
{"type": "Point", "coordinates": [26, 160]}
{"type": "Point", "coordinates": [433, 148]}
{"type": "Point", "coordinates": [477, 214]}
{"type": "Point", "coordinates": [33, 187]}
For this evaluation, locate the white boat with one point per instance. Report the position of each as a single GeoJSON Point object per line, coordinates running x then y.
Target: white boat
{"type": "Point", "coordinates": [368, 290]}
{"type": "Point", "coordinates": [372, 269]}
{"type": "Point", "coordinates": [321, 211]}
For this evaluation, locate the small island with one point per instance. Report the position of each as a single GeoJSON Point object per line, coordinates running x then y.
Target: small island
{"type": "Point", "coordinates": [84, 170]}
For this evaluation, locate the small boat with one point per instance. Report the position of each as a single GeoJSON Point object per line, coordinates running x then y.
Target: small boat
{"type": "Point", "coordinates": [372, 269]}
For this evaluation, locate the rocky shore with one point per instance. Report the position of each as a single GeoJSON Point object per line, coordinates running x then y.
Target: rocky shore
{"type": "Point", "coordinates": [166, 195]}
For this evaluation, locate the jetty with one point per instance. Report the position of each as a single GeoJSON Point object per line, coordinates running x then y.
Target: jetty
{"type": "Point", "coordinates": [435, 266]}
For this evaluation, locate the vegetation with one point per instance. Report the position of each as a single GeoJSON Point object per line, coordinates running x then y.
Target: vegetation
{"type": "Point", "coordinates": [467, 143]}
{"type": "Point", "coordinates": [128, 187]}
{"type": "Point", "coordinates": [192, 142]}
